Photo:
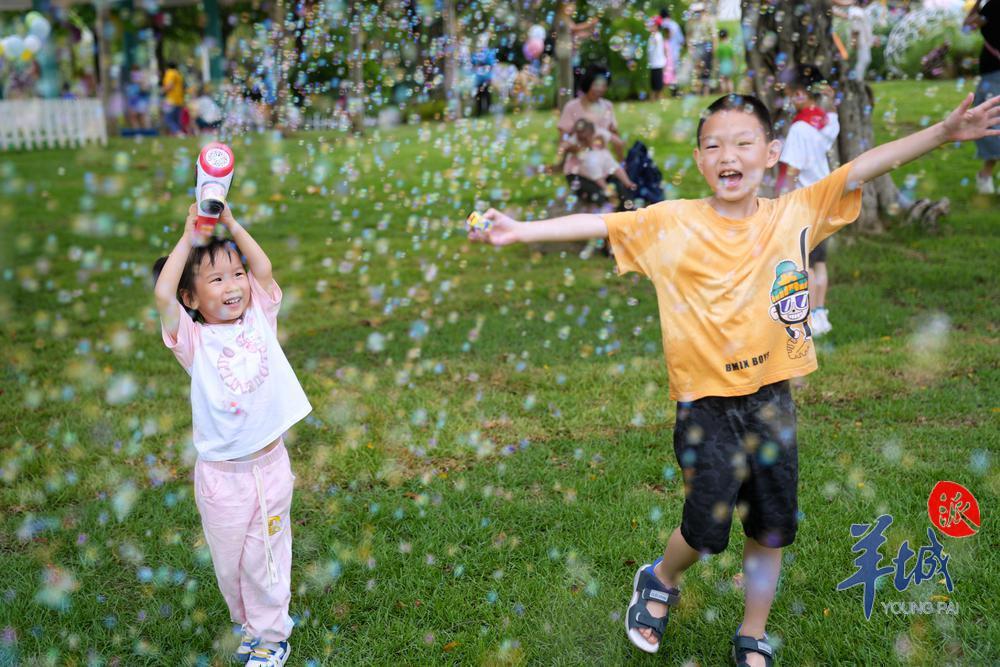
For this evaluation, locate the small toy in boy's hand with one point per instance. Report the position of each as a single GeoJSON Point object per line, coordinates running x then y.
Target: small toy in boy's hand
{"type": "Point", "coordinates": [477, 221]}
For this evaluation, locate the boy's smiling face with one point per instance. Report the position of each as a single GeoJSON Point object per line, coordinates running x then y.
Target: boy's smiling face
{"type": "Point", "coordinates": [733, 154]}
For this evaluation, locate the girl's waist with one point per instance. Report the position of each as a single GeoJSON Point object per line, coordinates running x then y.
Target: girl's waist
{"type": "Point", "coordinates": [261, 458]}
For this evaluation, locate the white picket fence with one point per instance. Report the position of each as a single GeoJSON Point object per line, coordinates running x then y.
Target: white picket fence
{"type": "Point", "coordinates": [37, 123]}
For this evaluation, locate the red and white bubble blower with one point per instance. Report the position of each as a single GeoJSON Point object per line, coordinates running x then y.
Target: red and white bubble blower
{"type": "Point", "coordinates": [214, 174]}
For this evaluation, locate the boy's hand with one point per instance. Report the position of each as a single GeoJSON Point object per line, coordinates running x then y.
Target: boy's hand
{"type": "Point", "coordinates": [502, 229]}
{"type": "Point", "coordinates": [966, 124]}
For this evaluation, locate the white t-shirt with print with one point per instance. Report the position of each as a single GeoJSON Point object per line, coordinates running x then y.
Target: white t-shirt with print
{"type": "Point", "coordinates": [655, 55]}
{"type": "Point", "coordinates": [244, 394]}
{"type": "Point", "coordinates": [805, 149]}
{"type": "Point", "coordinates": [597, 163]}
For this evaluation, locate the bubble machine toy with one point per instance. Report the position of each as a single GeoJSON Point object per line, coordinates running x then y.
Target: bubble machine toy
{"type": "Point", "coordinates": [214, 175]}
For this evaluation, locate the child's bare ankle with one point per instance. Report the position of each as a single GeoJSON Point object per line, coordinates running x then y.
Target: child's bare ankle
{"type": "Point", "coordinates": [662, 575]}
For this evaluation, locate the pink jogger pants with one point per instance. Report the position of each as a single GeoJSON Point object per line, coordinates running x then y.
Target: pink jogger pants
{"type": "Point", "coordinates": [244, 508]}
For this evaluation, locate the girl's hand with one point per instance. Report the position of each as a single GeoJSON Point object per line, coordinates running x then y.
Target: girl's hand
{"type": "Point", "coordinates": [226, 217]}
{"type": "Point", "coordinates": [965, 123]}
{"type": "Point", "coordinates": [191, 231]}
{"type": "Point", "coordinates": [503, 229]}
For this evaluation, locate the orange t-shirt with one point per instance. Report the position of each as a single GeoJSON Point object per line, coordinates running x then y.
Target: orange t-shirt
{"type": "Point", "coordinates": [733, 294]}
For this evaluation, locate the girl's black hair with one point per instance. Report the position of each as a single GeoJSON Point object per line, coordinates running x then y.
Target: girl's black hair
{"type": "Point", "coordinates": [590, 75]}
{"type": "Point", "coordinates": [746, 103]}
{"type": "Point", "coordinates": [191, 266]}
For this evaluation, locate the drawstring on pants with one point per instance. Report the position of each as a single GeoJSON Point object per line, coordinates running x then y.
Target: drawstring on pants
{"type": "Point", "coordinates": [272, 568]}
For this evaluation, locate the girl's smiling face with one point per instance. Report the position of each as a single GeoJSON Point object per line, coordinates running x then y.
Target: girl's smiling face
{"type": "Point", "coordinates": [221, 288]}
{"type": "Point", "coordinates": [733, 154]}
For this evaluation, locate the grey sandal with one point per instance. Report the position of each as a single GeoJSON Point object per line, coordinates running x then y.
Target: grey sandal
{"type": "Point", "coordinates": [742, 644]}
{"type": "Point", "coordinates": [645, 587]}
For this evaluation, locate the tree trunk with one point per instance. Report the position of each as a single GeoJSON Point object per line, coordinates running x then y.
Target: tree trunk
{"type": "Point", "coordinates": [356, 95]}
{"type": "Point", "coordinates": [278, 46]}
{"type": "Point", "coordinates": [452, 104]}
{"type": "Point", "coordinates": [781, 38]}
{"type": "Point", "coordinates": [564, 60]}
{"type": "Point", "coordinates": [104, 63]}
{"type": "Point", "coordinates": [856, 136]}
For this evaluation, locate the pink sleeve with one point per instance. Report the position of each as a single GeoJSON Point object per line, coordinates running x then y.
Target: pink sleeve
{"type": "Point", "coordinates": [184, 343]}
{"type": "Point", "coordinates": [612, 122]}
{"type": "Point", "coordinates": [270, 305]}
{"type": "Point", "coordinates": [570, 114]}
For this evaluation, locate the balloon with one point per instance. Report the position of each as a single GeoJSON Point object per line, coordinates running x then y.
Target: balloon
{"type": "Point", "coordinates": [32, 44]}
{"type": "Point", "coordinates": [533, 49]}
{"type": "Point", "coordinates": [536, 32]}
{"type": "Point", "coordinates": [27, 55]}
{"type": "Point", "coordinates": [31, 17]}
{"type": "Point", "coordinates": [13, 46]}
{"type": "Point", "coordinates": [40, 27]}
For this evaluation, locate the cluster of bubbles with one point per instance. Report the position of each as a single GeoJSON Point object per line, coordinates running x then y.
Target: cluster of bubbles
{"type": "Point", "coordinates": [380, 239]}
{"type": "Point", "coordinates": [921, 30]}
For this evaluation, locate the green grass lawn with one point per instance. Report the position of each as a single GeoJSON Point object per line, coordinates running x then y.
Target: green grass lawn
{"type": "Point", "coordinates": [489, 454]}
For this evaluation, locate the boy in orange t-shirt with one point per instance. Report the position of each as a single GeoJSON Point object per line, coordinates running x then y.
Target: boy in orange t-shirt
{"type": "Point", "coordinates": [730, 273]}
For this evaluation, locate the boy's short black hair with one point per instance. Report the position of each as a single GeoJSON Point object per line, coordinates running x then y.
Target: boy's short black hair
{"type": "Point", "coordinates": [723, 34]}
{"type": "Point", "coordinates": [194, 258]}
{"type": "Point", "coordinates": [733, 102]}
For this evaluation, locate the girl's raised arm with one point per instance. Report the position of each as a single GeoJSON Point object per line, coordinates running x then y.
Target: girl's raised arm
{"type": "Point", "coordinates": [260, 265]}
{"type": "Point", "coordinates": [170, 275]}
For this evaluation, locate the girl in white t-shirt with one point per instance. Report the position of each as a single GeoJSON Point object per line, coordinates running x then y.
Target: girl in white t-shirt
{"type": "Point", "coordinates": [220, 321]}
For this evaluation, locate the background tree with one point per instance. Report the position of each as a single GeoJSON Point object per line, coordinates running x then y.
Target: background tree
{"type": "Point", "coordinates": [782, 37]}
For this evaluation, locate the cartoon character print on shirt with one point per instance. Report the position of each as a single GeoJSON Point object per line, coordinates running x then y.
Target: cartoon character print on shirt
{"type": "Point", "coordinates": [790, 301]}
{"type": "Point", "coordinates": [243, 365]}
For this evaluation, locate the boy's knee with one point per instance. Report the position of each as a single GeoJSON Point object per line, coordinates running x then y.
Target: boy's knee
{"type": "Point", "coordinates": [773, 538]}
{"type": "Point", "coordinates": [708, 542]}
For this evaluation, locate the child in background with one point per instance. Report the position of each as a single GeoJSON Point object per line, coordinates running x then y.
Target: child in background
{"type": "Point", "coordinates": [730, 279]}
{"type": "Point", "coordinates": [592, 165]}
{"type": "Point", "coordinates": [596, 161]}
{"type": "Point", "coordinates": [655, 57]}
{"type": "Point", "coordinates": [220, 321]}
{"type": "Point", "coordinates": [670, 63]}
{"type": "Point", "coordinates": [207, 113]}
{"type": "Point", "coordinates": [727, 62]}
{"type": "Point", "coordinates": [803, 162]}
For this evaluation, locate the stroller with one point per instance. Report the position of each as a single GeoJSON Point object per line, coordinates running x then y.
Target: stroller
{"type": "Point", "coordinates": [641, 168]}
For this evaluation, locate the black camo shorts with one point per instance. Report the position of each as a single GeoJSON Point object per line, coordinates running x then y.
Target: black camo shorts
{"type": "Point", "coordinates": [739, 453]}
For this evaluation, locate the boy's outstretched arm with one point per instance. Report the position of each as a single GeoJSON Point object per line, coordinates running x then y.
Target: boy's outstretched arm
{"type": "Point", "coordinates": [504, 230]}
{"type": "Point", "coordinates": [962, 124]}
{"type": "Point", "coordinates": [165, 290]}
{"type": "Point", "coordinates": [260, 265]}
